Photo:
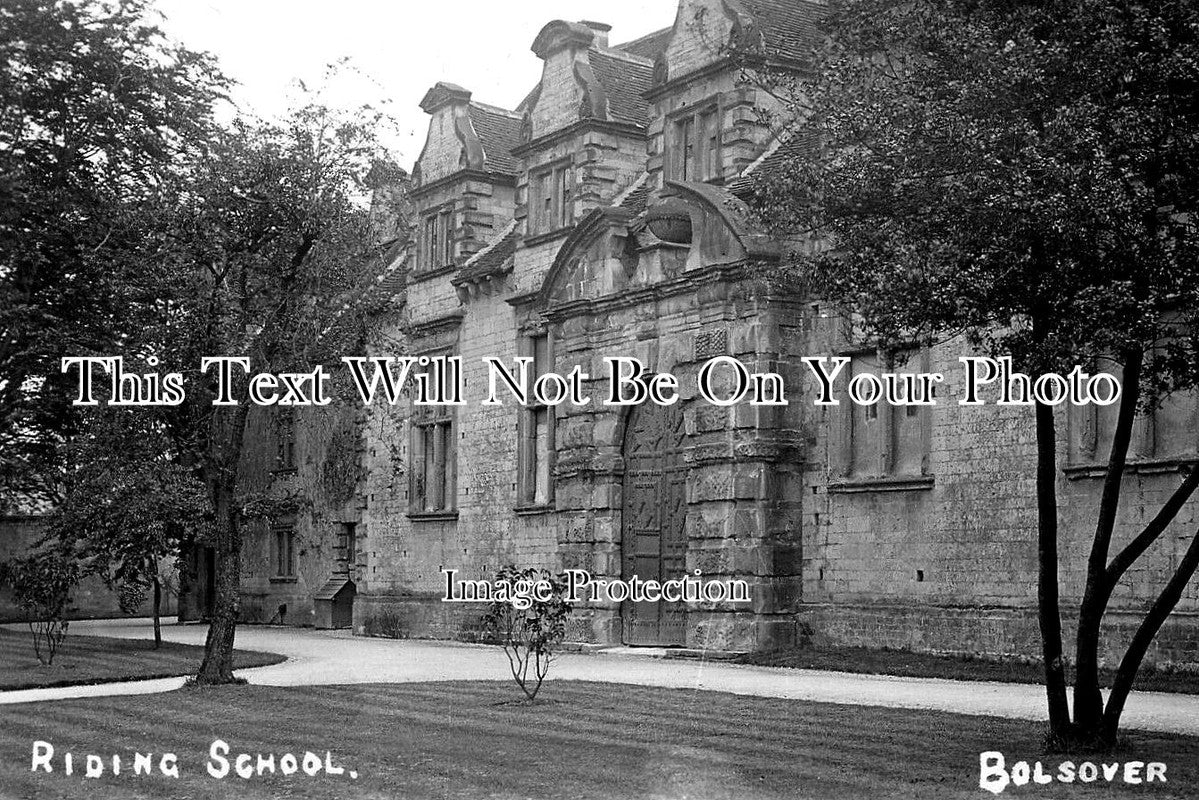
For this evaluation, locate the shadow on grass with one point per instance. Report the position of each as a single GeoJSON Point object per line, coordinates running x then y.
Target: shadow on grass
{"type": "Point", "coordinates": [87, 660]}
{"type": "Point", "coordinates": [907, 664]}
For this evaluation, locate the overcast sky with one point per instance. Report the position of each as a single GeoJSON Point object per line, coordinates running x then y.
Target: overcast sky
{"type": "Point", "coordinates": [399, 48]}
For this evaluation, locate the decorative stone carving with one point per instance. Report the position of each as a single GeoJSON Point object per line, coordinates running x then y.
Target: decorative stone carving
{"type": "Point", "coordinates": [661, 69]}
{"type": "Point", "coordinates": [670, 221]}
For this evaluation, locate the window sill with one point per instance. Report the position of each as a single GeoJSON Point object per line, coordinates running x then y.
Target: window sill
{"type": "Point", "coordinates": [433, 516]}
{"type": "Point", "coordinates": [533, 510]}
{"type": "Point", "coordinates": [283, 579]}
{"type": "Point", "coordinates": [918, 483]}
{"type": "Point", "coordinates": [1148, 466]}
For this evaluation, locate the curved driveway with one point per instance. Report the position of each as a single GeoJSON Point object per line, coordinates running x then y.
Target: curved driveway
{"type": "Point", "coordinates": [336, 657]}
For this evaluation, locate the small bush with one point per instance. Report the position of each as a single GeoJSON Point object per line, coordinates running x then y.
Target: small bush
{"type": "Point", "coordinates": [386, 622]}
{"type": "Point", "coordinates": [41, 586]}
{"type": "Point", "coordinates": [529, 629]}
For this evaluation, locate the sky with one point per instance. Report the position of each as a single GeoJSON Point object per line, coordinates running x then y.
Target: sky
{"type": "Point", "coordinates": [397, 49]}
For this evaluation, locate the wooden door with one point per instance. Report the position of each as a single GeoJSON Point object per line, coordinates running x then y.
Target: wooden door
{"type": "Point", "coordinates": [653, 541]}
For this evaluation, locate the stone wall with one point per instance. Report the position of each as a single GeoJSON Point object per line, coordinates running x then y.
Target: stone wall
{"type": "Point", "coordinates": [948, 560]}
{"type": "Point", "coordinates": [978, 630]}
{"type": "Point", "coordinates": [91, 599]}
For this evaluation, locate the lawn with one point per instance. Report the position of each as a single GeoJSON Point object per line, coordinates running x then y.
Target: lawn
{"type": "Point", "coordinates": [588, 740]}
{"type": "Point", "coordinates": [95, 659]}
{"type": "Point", "coordinates": [961, 668]}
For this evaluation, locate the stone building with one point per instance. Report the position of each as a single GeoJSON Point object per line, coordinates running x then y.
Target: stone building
{"type": "Point", "coordinates": [604, 217]}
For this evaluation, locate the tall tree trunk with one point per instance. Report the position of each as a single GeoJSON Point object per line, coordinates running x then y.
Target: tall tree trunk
{"type": "Point", "coordinates": [217, 666]}
{"type": "Point", "coordinates": [1088, 702]}
{"type": "Point", "coordinates": [1048, 603]}
{"type": "Point", "coordinates": [1131, 663]}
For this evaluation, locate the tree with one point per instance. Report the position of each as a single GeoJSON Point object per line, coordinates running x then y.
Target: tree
{"type": "Point", "coordinates": [41, 584]}
{"type": "Point", "coordinates": [1023, 174]}
{"type": "Point", "coordinates": [262, 241]}
{"type": "Point", "coordinates": [528, 627]}
{"type": "Point", "coordinates": [132, 224]}
{"type": "Point", "coordinates": [94, 106]}
{"type": "Point", "coordinates": [128, 506]}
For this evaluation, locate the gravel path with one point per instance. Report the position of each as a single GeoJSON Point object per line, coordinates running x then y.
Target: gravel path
{"type": "Point", "coordinates": [336, 657]}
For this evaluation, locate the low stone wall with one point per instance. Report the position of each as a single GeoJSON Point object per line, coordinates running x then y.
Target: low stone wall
{"type": "Point", "coordinates": [414, 616]}
{"type": "Point", "coordinates": [426, 616]}
{"type": "Point", "coordinates": [987, 631]}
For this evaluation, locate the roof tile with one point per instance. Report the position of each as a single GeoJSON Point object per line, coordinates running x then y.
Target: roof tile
{"type": "Point", "coordinates": [789, 27]}
{"type": "Point", "coordinates": [801, 144]}
{"type": "Point", "coordinates": [499, 133]}
{"type": "Point", "coordinates": [626, 80]}
{"type": "Point", "coordinates": [496, 259]}
{"type": "Point", "coordinates": [649, 46]}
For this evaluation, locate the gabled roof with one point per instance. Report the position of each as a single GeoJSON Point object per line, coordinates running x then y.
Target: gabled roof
{"type": "Point", "coordinates": [390, 281]}
{"type": "Point", "coordinates": [634, 198]}
{"type": "Point", "coordinates": [649, 46]}
{"type": "Point", "coordinates": [384, 287]}
{"type": "Point", "coordinates": [789, 28]}
{"type": "Point", "coordinates": [801, 144]}
{"type": "Point", "coordinates": [625, 79]}
{"type": "Point", "coordinates": [495, 259]}
{"type": "Point", "coordinates": [499, 132]}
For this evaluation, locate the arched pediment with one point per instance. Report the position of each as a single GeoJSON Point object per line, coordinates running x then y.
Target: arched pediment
{"type": "Point", "coordinates": [592, 260]}
{"type": "Point", "coordinates": [722, 227]}
{"type": "Point", "coordinates": [612, 249]}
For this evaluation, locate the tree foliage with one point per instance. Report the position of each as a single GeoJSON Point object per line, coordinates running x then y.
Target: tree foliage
{"type": "Point", "coordinates": [262, 243]}
{"type": "Point", "coordinates": [129, 504]}
{"type": "Point", "coordinates": [95, 106]}
{"type": "Point", "coordinates": [986, 164]}
{"type": "Point", "coordinates": [134, 224]}
{"type": "Point", "coordinates": [1024, 175]}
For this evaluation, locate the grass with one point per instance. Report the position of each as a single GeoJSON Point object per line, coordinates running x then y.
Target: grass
{"type": "Point", "coordinates": [96, 659]}
{"type": "Point", "coordinates": [469, 740]}
{"type": "Point", "coordinates": [959, 668]}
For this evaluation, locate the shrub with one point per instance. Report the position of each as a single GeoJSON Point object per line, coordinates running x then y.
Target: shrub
{"type": "Point", "coordinates": [529, 629]}
{"type": "Point", "coordinates": [41, 586]}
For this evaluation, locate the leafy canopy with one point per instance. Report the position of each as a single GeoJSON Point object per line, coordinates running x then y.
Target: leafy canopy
{"type": "Point", "coordinates": [1024, 173]}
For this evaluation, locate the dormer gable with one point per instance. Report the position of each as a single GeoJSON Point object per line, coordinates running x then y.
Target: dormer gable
{"type": "Point", "coordinates": [585, 79]}
{"type": "Point", "coordinates": [465, 135]}
{"type": "Point", "coordinates": [782, 31]}
{"type": "Point", "coordinates": [569, 90]}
